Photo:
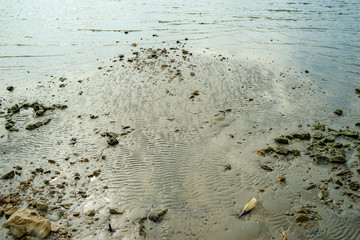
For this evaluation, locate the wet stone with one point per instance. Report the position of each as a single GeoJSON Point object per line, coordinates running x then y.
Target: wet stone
{"type": "Point", "coordinates": [112, 141]}
{"type": "Point", "coordinates": [10, 88]}
{"type": "Point", "coordinates": [158, 216]}
{"type": "Point", "coordinates": [266, 168]}
{"type": "Point", "coordinates": [319, 126]}
{"type": "Point", "coordinates": [9, 175]}
{"type": "Point", "coordinates": [302, 218]}
{"type": "Point", "coordinates": [114, 211]}
{"type": "Point", "coordinates": [338, 112]}
{"type": "Point", "coordinates": [337, 159]}
{"type": "Point", "coordinates": [318, 134]}
{"type": "Point", "coordinates": [301, 135]}
{"type": "Point", "coordinates": [227, 167]}
{"type": "Point", "coordinates": [282, 150]}
{"type": "Point", "coordinates": [282, 140]}
{"type": "Point", "coordinates": [354, 186]}
{"type": "Point", "coordinates": [321, 159]}
{"type": "Point", "coordinates": [90, 213]}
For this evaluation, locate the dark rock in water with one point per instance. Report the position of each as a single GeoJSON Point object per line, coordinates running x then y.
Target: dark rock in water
{"type": "Point", "coordinates": [302, 218]}
{"type": "Point", "coordinates": [14, 109]}
{"type": "Point", "coordinates": [282, 150]}
{"type": "Point", "coordinates": [158, 216]}
{"type": "Point", "coordinates": [338, 112]}
{"type": "Point", "coordinates": [357, 90]}
{"type": "Point", "coordinates": [302, 135]}
{"type": "Point", "coordinates": [266, 167]}
{"type": "Point", "coordinates": [338, 182]}
{"type": "Point", "coordinates": [354, 186]}
{"type": "Point", "coordinates": [337, 159]}
{"type": "Point", "coordinates": [357, 124]}
{"type": "Point", "coordinates": [282, 140]}
{"type": "Point", "coordinates": [320, 159]}
{"type": "Point", "coordinates": [227, 167]}
{"type": "Point", "coordinates": [10, 88]}
{"type": "Point", "coordinates": [112, 141]}
{"type": "Point", "coordinates": [9, 175]}
{"type": "Point", "coordinates": [338, 145]}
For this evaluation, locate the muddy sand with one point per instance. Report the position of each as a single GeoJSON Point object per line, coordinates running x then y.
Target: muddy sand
{"type": "Point", "coordinates": [171, 142]}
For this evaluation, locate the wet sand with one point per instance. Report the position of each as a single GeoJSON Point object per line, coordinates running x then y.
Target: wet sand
{"type": "Point", "coordinates": [191, 128]}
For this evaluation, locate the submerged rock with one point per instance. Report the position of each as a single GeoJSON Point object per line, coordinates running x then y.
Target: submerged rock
{"type": "Point", "coordinates": [26, 222]}
{"type": "Point", "coordinates": [9, 175]}
{"type": "Point", "coordinates": [282, 140]}
{"type": "Point", "coordinates": [302, 218]}
{"type": "Point", "coordinates": [10, 88]}
{"type": "Point", "coordinates": [282, 150]}
{"type": "Point", "coordinates": [158, 216]}
{"type": "Point", "coordinates": [338, 112]}
{"type": "Point", "coordinates": [301, 135]}
{"type": "Point", "coordinates": [112, 141]}
{"type": "Point", "coordinates": [337, 159]}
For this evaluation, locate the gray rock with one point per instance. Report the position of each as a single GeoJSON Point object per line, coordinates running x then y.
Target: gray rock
{"type": "Point", "coordinates": [10, 88]}
{"type": "Point", "coordinates": [158, 216]}
{"type": "Point", "coordinates": [318, 134]}
{"type": "Point", "coordinates": [338, 112]}
{"type": "Point", "coordinates": [41, 206]}
{"type": "Point", "coordinates": [282, 150]}
{"type": "Point", "coordinates": [301, 135]}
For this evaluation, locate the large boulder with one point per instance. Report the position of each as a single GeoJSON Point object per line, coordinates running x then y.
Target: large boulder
{"type": "Point", "coordinates": [26, 222]}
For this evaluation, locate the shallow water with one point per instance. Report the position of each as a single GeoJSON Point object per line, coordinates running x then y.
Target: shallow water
{"type": "Point", "coordinates": [247, 56]}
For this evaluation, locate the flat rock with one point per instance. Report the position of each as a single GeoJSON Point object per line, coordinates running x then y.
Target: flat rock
{"type": "Point", "coordinates": [301, 135]}
{"type": "Point", "coordinates": [302, 218]}
{"type": "Point", "coordinates": [26, 222]}
{"type": "Point", "coordinates": [158, 216]}
{"type": "Point", "coordinates": [337, 159]}
{"type": "Point", "coordinates": [9, 175]}
{"type": "Point", "coordinates": [282, 140]}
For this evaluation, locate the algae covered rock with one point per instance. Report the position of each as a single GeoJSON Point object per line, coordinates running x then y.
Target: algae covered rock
{"type": "Point", "coordinates": [282, 140]}
{"type": "Point", "coordinates": [26, 222]}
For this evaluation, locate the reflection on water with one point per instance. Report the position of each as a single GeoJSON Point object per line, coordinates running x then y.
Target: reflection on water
{"type": "Point", "coordinates": [47, 37]}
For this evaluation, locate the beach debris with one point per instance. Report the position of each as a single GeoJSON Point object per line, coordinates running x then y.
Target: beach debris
{"type": "Point", "coordinates": [134, 44]}
{"type": "Point", "coordinates": [158, 216]}
{"type": "Point", "coordinates": [283, 233]}
{"type": "Point", "coordinates": [26, 222]}
{"type": "Point", "coordinates": [248, 207]}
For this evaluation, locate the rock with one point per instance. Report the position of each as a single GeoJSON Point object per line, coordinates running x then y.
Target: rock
{"type": "Point", "coordinates": [320, 159]}
{"type": "Point", "coordinates": [27, 222]}
{"type": "Point", "coordinates": [158, 216]}
{"type": "Point", "coordinates": [301, 135]}
{"type": "Point", "coordinates": [354, 186]}
{"type": "Point", "coordinates": [42, 206]}
{"type": "Point", "coordinates": [76, 214]}
{"type": "Point", "coordinates": [90, 213]}
{"type": "Point", "coordinates": [114, 211]}
{"type": "Point", "coordinates": [281, 178]}
{"type": "Point", "coordinates": [112, 141]}
{"type": "Point", "coordinates": [10, 88]}
{"type": "Point", "coordinates": [337, 159]}
{"type": "Point", "coordinates": [318, 134]}
{"type": "Point", "coordinates": [319, 126]}
{"type": "Point", "coordinates": [282, 150]}
{"type": "Point", "coordinates": [10, 212]}
{"type": "Point", "coordinates": [282, 140]}
{"type": "Point", "coordinates": [338, 112]}
{"type": "Point", "coordinates": [357, 90]}
{"type": "Point", "coordinates": [266, 167]}
{"type": "Point", "coordinates": [349, 133]}
{"type": "Point", "coordinates": [9, 175]}
{"type": "Point", "coordinates": [357, 124]}
{"type": "Point", "coordinates": [295, 152]}
{"type": "Point", "coordinates": [9, 125]}
{"type": "Point", "coordinates": [301, 218]}
{"type": "Point", "coordinates": [227, 167]}
{"type": "Point", "coordinates": [329, 138]}
{"type": "Point", "coordinates": [269, 150]}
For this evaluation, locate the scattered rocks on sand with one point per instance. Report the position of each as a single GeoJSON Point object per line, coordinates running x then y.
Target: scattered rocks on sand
{"type": "Point", "coordinates": [26, 222]}
{"type": "Point", "coordinates": [158, 216]}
